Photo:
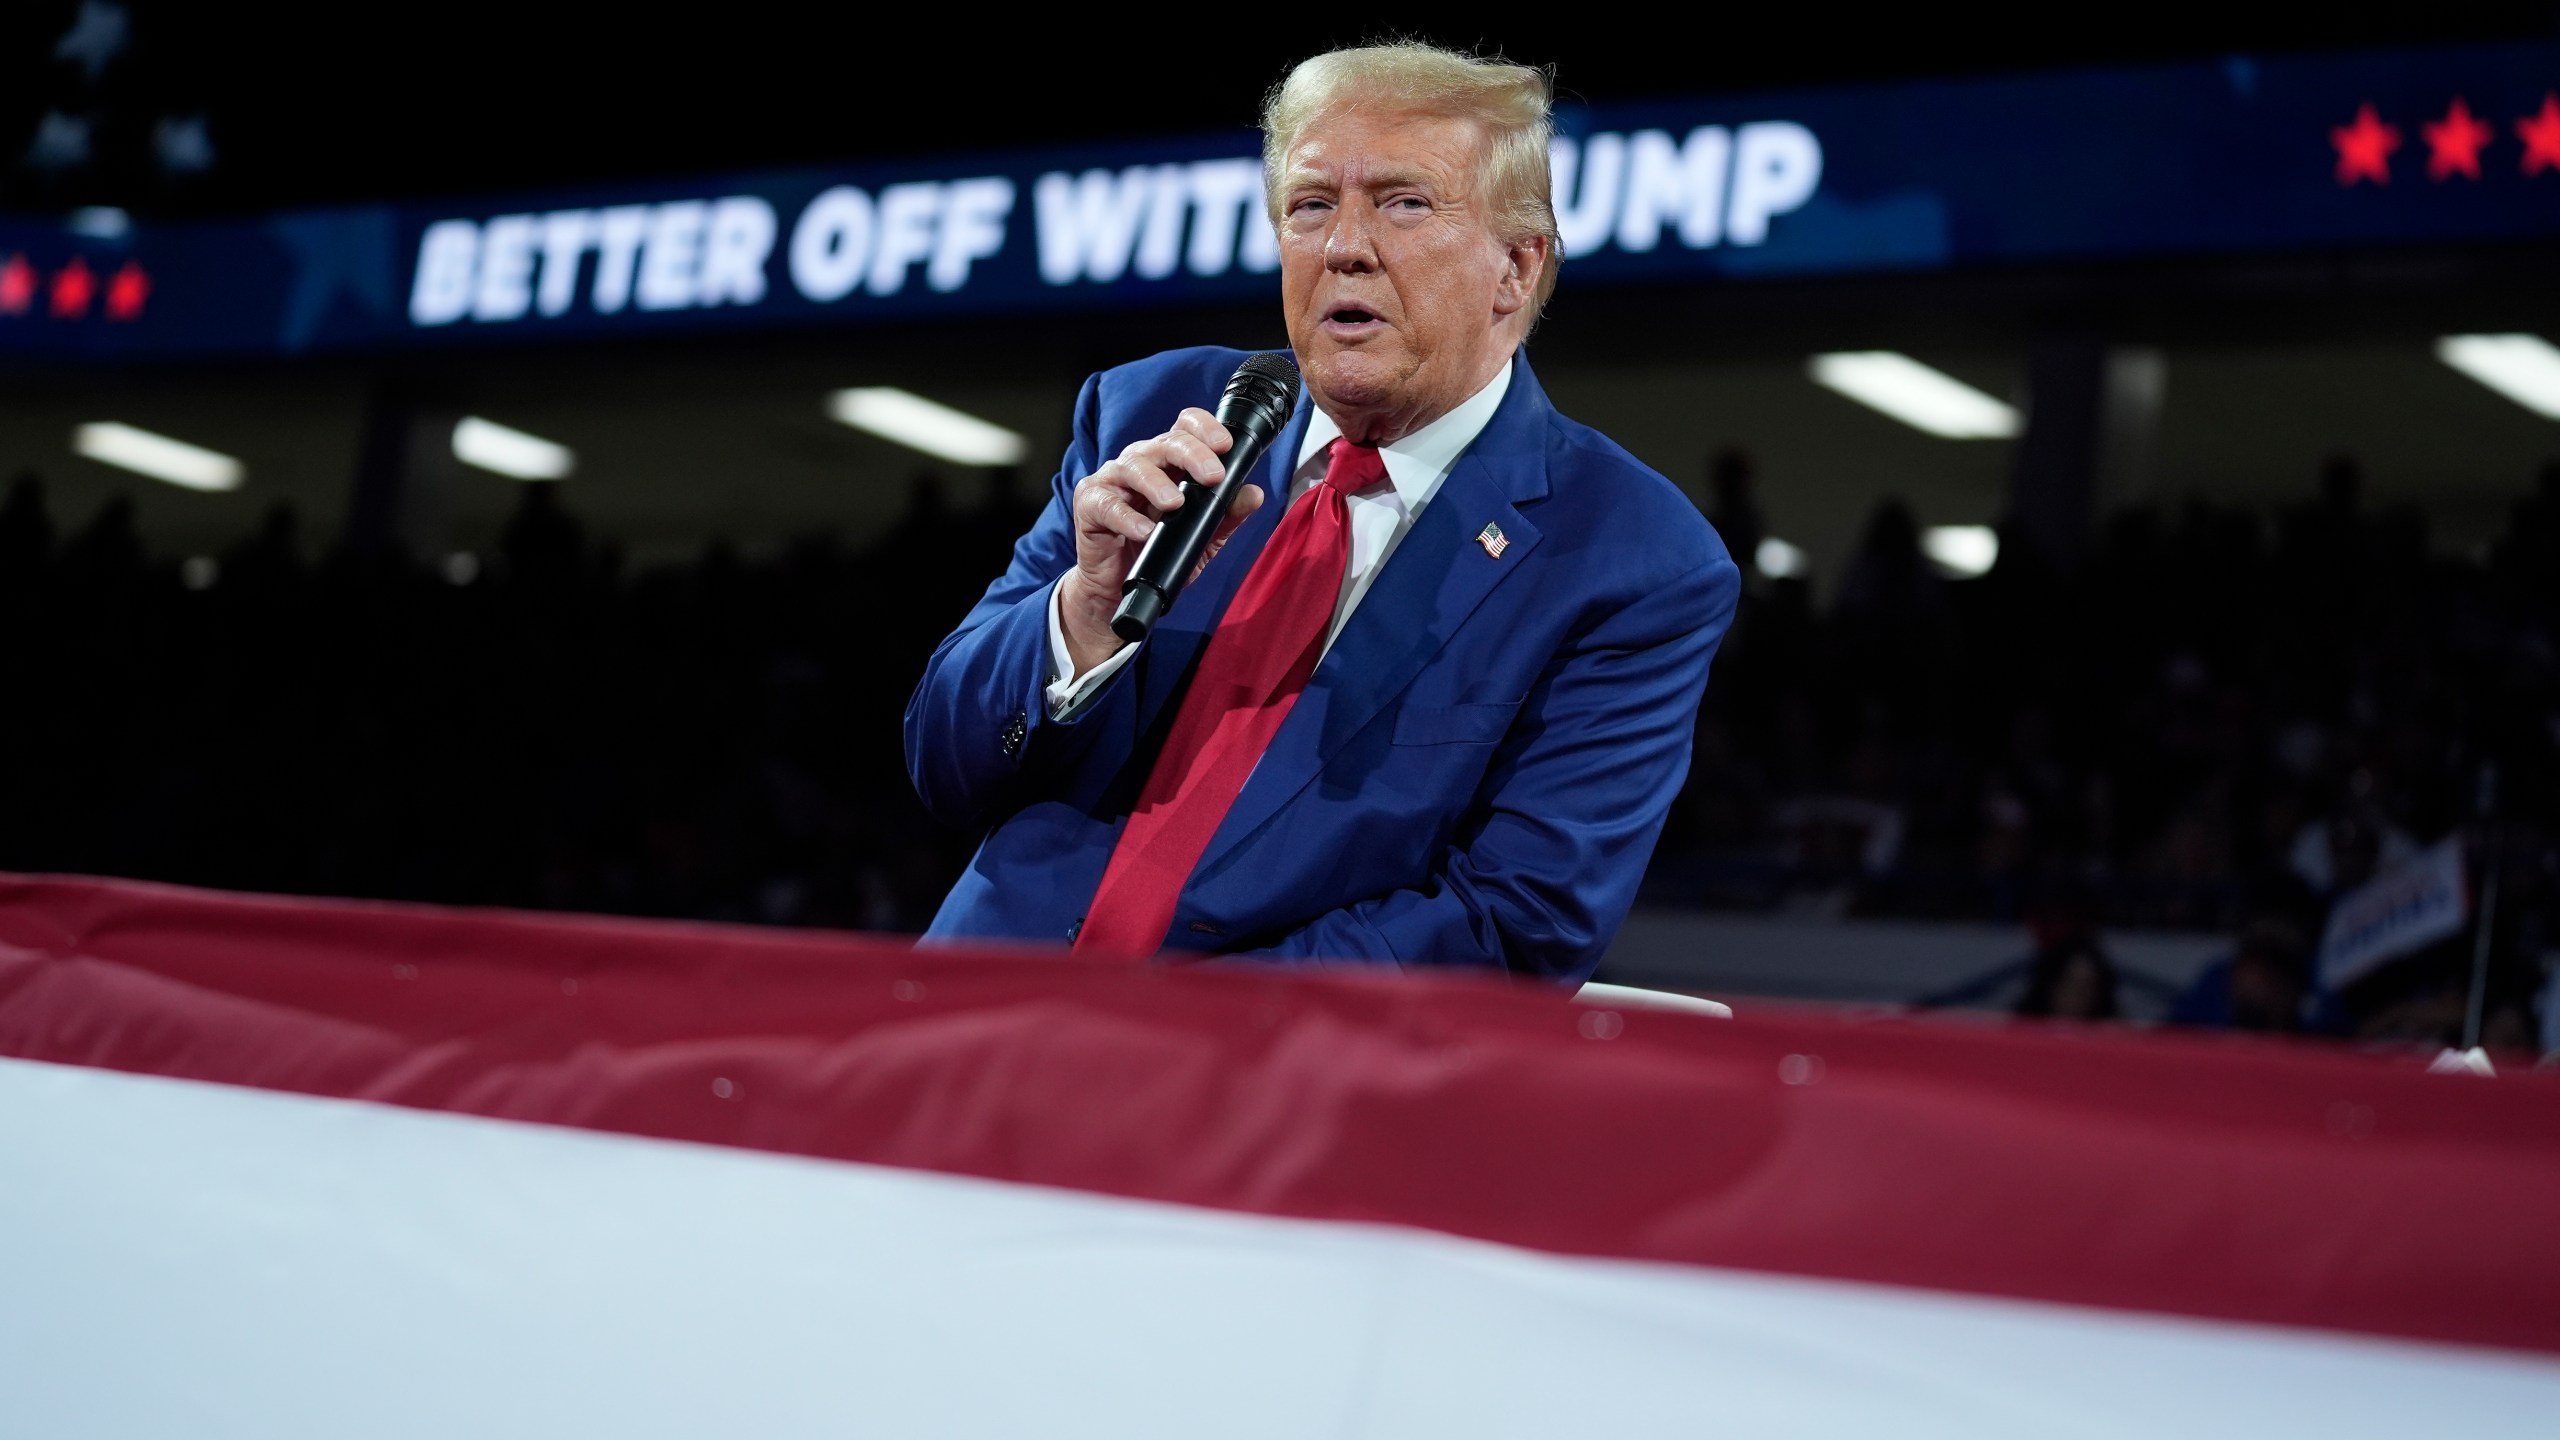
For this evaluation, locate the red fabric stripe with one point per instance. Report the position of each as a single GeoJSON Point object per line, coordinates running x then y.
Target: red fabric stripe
{"type": "Point", "coordinates": [2249, 1181]}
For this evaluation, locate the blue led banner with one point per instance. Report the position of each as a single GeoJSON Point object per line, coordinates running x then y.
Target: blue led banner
{"type": "Point", "coordinates": [2435, 147]}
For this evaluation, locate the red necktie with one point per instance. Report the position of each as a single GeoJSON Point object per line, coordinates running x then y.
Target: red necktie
{"type": "Point", "coordinates": [1256, 663]}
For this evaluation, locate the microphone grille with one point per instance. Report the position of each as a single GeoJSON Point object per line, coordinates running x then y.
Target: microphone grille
{"type": "Point", "coordinates": [1272, 379]}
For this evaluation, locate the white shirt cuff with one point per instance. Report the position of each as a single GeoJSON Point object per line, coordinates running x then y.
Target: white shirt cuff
{"type": "Point", "coordinates": [1068, 692]}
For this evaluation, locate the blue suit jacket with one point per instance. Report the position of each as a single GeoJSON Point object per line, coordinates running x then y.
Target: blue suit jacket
{"type": "Point", "coordinates": [1475, 775]}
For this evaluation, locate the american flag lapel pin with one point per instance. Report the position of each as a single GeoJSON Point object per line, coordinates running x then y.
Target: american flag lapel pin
{"type": "Point", "coordinates": [1493, 541]}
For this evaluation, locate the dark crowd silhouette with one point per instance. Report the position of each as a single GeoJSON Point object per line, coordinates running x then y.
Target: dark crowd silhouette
{"type": "Point", "coordinates": [2211, 719]}
{"type": "Point", "coordinates": [531, 727]}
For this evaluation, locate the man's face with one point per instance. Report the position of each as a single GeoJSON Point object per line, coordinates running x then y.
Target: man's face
{"type": "Point", "coordinates": [1401, 299]}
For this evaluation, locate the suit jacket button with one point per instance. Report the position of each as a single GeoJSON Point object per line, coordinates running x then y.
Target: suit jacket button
{"type": "Point", "coordinates": [1014, 730]}
{"type": "Point", "coordinates": [1075, 930]}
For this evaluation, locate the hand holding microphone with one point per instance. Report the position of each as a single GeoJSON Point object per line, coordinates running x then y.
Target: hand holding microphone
{"type": "Point", "coordinates": [1149, 519]}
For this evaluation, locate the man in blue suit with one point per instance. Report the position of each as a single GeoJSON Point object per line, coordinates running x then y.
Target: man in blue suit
{"type": "Point", "coordinates": [1469, 760]}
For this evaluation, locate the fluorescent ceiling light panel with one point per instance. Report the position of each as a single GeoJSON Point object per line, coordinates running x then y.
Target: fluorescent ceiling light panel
{"type": "Point", "coordinates": [101, 222]}
{"type": "Point", "coordinates": [510, 452]}
{"type": "Point", "coordinates": [920, 424]}
{"type": "Point", "coordinates": [1962, 550]}
{"type": "Point", "coordinates": [144, 453]}
{"type": "Point", "coordinates": [2524, 368]}
{"type": "Point", "coordinates": [1916, 395]}
{"type": "Point", "coordinates": [1779, 560]}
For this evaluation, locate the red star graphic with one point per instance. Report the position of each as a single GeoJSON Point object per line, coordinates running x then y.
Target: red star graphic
{"type": "Point", "coordinates": [72, 287]}
{"type": "Point", "coordinates": [2364, 148]}
{"type": "Point", "coordinates": [17, 286]}
{"type": "Point", "coordinates": [127, 291]}
{"type": "Point", "coordinates": [2453, 143]}
{"type": "Point", "coordinates": [2540, 133]}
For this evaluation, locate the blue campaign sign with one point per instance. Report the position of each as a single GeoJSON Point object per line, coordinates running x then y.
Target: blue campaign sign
{"type": "Point", "coordinates": [2434, 147]}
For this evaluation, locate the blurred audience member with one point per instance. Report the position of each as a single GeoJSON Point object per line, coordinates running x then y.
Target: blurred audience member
{"type": "Point", "coordinates": [2264, 984]}
{"type": "Point", "coordinates": [1889, 580]}
{"type": "Point", "coordinates": [1734, 507]}
{"type": "Point", "coordinates": [2071, 979]}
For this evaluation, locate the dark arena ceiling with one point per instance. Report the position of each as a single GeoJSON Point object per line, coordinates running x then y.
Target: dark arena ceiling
{"type": "Point", "coordinates": [225, 108]}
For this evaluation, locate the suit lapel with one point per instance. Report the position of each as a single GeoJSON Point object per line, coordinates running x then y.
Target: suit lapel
{"type": "Point", "coordinates": [1434, 581]}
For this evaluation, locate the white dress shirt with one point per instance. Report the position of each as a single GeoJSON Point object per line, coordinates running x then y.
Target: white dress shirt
{"type": "Point", "coordinates": [1380, 518]}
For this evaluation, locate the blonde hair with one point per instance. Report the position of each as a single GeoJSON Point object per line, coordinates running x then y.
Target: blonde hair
{"type": "Point", "coordinates": [1512, 102]}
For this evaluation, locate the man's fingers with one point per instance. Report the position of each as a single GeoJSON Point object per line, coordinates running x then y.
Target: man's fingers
{"type": "Point", "coordinates": [1138, 473]}
{"type": "Point", "coordinates": [1248, 500]}
{"type": "Point", "coordinates": [1125, 519]}
{"type": "Point", "coordinates": [1128, 493]}
{"type": "Point", "coordinates": [1104, 506]}
{"type": "Point", "coordinates": [1180, 452]}
{"type": "Point", "coordinates": [1197, 421]}
{"type": "Point", "coordinates": [1196, 456]}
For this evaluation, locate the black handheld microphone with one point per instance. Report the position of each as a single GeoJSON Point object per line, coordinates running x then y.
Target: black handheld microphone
{"type": "Point", "coordinates": [1256, 404]}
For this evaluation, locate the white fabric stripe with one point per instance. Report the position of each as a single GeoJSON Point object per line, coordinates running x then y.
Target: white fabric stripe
{"type": "Point", "coordinates": [192, 1259]}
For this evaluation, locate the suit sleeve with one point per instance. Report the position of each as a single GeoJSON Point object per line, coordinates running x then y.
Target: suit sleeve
{"type": "Point", "coordinates": [1545, 870]}
{"type": "Point", "coordinates": [978, 725]}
